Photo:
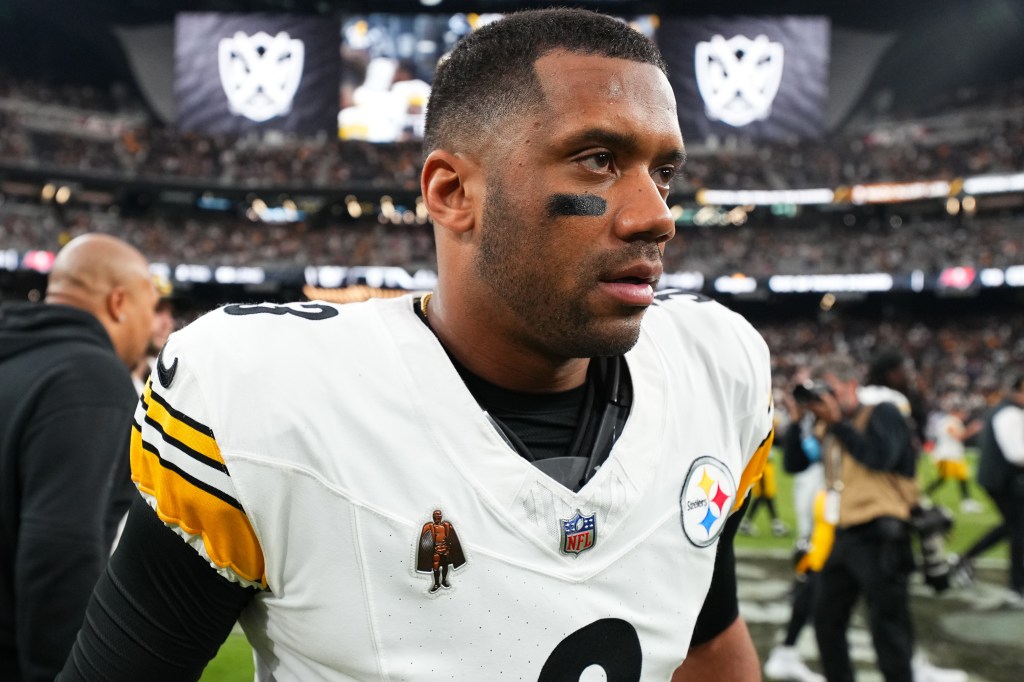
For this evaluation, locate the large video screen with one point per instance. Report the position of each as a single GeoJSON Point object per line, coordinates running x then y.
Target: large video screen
{"type": "Point", "coordinates": [388, 63]}
{"type": "Point", "coordinates": [368, 77]}
{"type": "Point", "coordinates": [756, 77]}
{"type": "Point", "coordinates": [236, 73]}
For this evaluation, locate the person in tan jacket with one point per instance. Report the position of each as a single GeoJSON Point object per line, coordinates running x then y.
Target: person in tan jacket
{"type": "Point", "coordinates": [870, 461]}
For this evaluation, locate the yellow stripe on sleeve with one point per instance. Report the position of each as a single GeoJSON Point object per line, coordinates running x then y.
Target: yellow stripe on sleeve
{"type": "Point", "coordinates": [754, 469]}
{"type": "Point", "coordinates": [177, 426]}
{"type": "Point", "coordinates": [199, 509]}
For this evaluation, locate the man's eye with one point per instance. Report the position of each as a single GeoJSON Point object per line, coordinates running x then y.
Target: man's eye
{"type": "Point", "coordinates": [597, 162]}
{"type": "Point", "coordinates": [665, 175]}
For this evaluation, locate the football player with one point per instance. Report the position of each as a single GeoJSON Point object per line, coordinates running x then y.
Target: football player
{"type": "Point", "coordinates": [586, 440]}
{"type": "Point", "coordinates": [950, 434]}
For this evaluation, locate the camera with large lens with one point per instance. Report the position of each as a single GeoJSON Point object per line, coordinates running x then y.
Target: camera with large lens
{"type": "Point", "coordinates": [810, 391]}
{"type": "Point", "coordinates": [932, 523]}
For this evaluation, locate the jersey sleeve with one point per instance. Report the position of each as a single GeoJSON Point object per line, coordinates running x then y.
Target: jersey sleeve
{"type": "Point", "coordinates": [178, 468]}
{"type": "Point", "coordinates": [757, 427]}
{"type": "Point", "coordinates": [738, 357]}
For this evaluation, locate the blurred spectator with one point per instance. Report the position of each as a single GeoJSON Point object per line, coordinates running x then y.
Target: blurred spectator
{"type": "Point", "coordinates": [889, 368]}
{"type": "Point", "coordinates": [869, 460]}
{"type": "Point", "coordinates": [163, 325]}
{"type": "Point", "coordinates": [66, 404]}
{"type": "Point", "coordinates": [1001, 474]}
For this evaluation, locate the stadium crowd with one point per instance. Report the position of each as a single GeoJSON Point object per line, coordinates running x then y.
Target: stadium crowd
{"type": "Point", "coordinates": [967, 131]}
{"type": "Point", "coordinates": [221, 240]}
{"type": "Point", "coordinates": [759, 248]}
{"type": "Point", "coordinates": [976, 133]}
{"type": "Point", "coordinates": [791, 247]}
{"type": "Point", "coordinates": [968, 357]}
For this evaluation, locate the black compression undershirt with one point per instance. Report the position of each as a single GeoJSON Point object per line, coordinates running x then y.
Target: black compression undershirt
{"type": "Point", "coordinates": [545, 423]}
{"type": "Point", "coordinates": [567, 434]}
{"type": "Point", "coordinates": [156, 583]}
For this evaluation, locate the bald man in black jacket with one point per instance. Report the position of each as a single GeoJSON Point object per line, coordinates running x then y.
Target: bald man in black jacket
{"type": "Point", "coordinates": [66, 403]}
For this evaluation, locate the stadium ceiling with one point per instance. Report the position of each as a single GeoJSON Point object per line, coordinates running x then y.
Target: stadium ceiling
{"type": "Point", "coordinates": [873, 14]}
{"type": "Point", "coordinates": [940, 45]}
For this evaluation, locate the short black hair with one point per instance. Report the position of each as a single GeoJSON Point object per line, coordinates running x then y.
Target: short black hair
{"type": "Point", "coordinates": [490, 74]}
{"type": "Point", "coordinates": [883, 363]}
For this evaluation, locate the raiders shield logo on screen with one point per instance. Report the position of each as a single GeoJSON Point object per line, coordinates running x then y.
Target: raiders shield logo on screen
{"type": "Point", "coordinates": [260, 73]}
{"type": "Point", "coordinates": [738, 78]}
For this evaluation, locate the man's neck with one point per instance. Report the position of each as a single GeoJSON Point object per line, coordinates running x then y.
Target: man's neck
{"type": "Point", "coordinates": [496, 355]}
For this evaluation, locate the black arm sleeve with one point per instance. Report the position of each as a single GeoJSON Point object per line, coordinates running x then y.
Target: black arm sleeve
{"type": "Point", "coordinates": [794, 458]}
{"type": "Point", "coordinates": [721, 605]}
{"type": "Point", "coordinates": [159, 612]}
{"type": "Point", "coordinates": [885, 443]}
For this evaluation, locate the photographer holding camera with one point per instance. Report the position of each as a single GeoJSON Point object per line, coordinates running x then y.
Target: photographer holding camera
{"type": "Point", "coordinates": [869, 459]}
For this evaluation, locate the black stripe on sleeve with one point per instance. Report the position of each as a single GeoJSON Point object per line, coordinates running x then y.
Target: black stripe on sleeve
{"type": "Point", "coordinates": [170, 466]}
{"type": "Point", "coordinates": [183, 448]}
{"type": "Point", "coordinates": [181, 416]}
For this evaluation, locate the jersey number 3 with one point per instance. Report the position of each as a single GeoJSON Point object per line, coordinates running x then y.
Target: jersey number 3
{"type": "Point", "coordinates": [610, 643]}
{"type": "Point", "coordinates": [307, 311]}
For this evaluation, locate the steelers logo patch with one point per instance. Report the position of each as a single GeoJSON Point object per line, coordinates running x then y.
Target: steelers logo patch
{"type": "Point", "coordinates": [704, 503]}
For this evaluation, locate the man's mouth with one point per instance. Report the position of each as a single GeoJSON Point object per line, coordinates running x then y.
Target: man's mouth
{"type": "Point", "coordinates": [639, 273]}
{"type": "Point", "coordinates": [633, 280]}
{"type": "Point", "coordinates": [633, 286]}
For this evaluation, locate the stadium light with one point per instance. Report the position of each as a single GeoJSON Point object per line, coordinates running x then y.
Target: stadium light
{"type": "Point", "coordinates": [387, 207]}
{"type": "Point", "coordinates": [353, 207]}
{"type": "Point", "coordinates": [993, 184]}
{"type": "Point", "coordinates": [897, 192]}
{"type": "Point", "coordinates": [803, 197]}
{"type": "Point", "coordinates": [992, 277]}
{"type": "Point", "coordinates": [860, 282]}
{"type": "Point", "coordinates": [736, 283]}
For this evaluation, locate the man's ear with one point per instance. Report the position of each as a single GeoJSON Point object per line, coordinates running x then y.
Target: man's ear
{"type": "Point", "coordinates": [116, 303]}
{"type": "Point", "coordinates": [447, 185]}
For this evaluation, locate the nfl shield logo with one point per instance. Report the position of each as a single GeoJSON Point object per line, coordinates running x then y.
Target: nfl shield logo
{"type": "Point", "coordinates": [260, 73]}
{"type": "Point", "coordinates": [738, 78]}
{"type": "Point", "coordinates": [578, 533]}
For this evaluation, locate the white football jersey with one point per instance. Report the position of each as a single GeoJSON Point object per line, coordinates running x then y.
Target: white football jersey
{"type": "Point", "coordinates": [875, 395]}
{"type": "Point", "coordinates": [333, 457]}
{"type": "Point", "coordinates": [948, 438]}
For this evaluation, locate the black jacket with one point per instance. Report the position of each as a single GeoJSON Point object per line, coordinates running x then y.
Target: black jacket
{"type": "Point", "coordinates": [996, 474]}
{"type": "Point", "coordinates": [885, 445]}
{"type": "Point", "coordinates": [66, 404]}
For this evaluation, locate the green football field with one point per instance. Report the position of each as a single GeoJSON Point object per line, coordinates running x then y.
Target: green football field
{"type": "Point", "coordinates": [967, 528]}
{"type": "Point", "coordinates": [234, 661]}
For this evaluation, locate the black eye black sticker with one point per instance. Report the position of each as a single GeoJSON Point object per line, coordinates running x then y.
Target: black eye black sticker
{"type": "Point", "coordinates": [585, 205]}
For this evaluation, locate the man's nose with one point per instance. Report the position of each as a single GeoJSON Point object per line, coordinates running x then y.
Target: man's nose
{"type": "Point", "coordinates": [643, 213]}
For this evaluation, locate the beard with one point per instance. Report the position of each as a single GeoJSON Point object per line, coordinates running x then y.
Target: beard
{"type": "Point", "coordinates": [516, 261]}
